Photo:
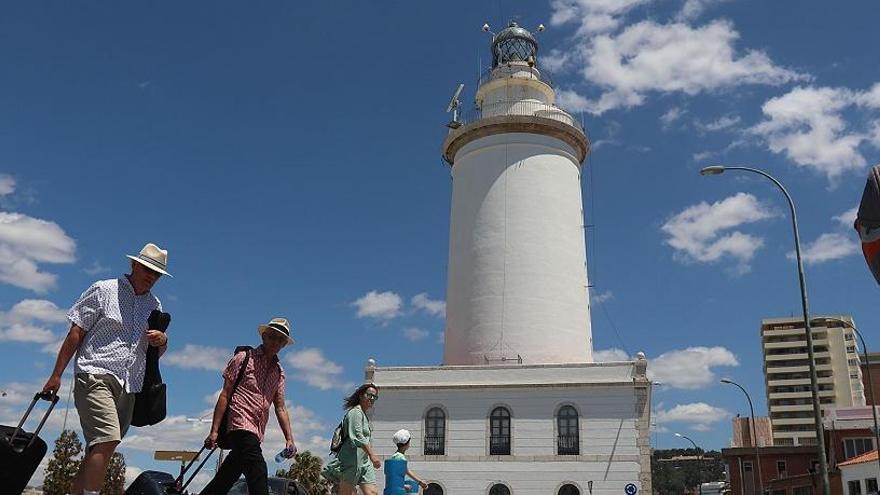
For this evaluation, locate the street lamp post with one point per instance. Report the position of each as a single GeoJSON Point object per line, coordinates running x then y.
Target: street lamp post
{"type": "Point", "coordinates": [870, 378]}
{"type": "Point", "coordinates": [700, 464]}
{"type": "Point", "coordinates": [817, 411]}
{"type": "Point", "coordinates": [754, 433]}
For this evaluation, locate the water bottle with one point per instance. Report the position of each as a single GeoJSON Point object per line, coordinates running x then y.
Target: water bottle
{"type": "Point", "coordinates": [283, 455]}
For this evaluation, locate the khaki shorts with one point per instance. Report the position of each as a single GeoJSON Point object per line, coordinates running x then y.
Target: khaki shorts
{"type": "Point", "coordinates": [105, 409]}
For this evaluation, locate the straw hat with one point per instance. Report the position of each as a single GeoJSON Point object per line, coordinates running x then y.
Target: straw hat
{"type": "Point", "coordinates": [153, 257]}
{"type": "Point", "coordinates": [279, 325]}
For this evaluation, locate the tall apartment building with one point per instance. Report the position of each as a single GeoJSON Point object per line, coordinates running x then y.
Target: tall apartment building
{"type": "Point", "coordinates": [787, 375]}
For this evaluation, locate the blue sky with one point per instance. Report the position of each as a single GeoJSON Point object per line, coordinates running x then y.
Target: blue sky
{"type": "Point", "coordinates": [288, 157]}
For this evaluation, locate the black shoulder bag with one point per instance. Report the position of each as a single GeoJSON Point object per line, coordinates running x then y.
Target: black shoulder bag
{"type": "Point", "coordinates": [150, 402]}
{"type": "Point", "coordinates": [222, 434]}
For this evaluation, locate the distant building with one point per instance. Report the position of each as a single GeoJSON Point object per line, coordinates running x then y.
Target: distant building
{"type": "Point", "coordinates": [859, 475]}
{"type": "Point", "coordinates": [787, 377]}
{"type": "Point", "coordinates": [742, 432]}
{"type": "Point", "coordinates": [874, 375]}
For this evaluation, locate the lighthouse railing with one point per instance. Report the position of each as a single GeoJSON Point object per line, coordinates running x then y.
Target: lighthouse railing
{"type": "Point", "coordinates": [532, 108]}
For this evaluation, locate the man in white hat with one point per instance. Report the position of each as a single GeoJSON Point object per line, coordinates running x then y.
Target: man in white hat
{"type": "Point", "coordinates": [260, 387]}
{"type": "Point", "coordinates": [109, 335]}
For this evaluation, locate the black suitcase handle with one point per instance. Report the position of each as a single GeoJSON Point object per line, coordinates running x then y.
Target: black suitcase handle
{"type": "Point", "coordinates": [177, 483]}
{"type": "Point", "coordinates": [47, 396]}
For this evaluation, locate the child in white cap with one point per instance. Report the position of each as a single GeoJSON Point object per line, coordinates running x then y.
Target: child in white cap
{"type": "Point", "coordinates": [401, 439]}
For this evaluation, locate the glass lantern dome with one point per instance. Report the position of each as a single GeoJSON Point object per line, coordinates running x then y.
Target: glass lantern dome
{"type": "Point", "coordinates": [513, 44]}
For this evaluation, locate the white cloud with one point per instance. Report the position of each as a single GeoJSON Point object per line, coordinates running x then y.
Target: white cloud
{"type": "Point", "coordinates": [698, 232]}
{"type": "Point", "coordinates": [415, 334]}
{"type": "Point", "coordinates": [827, 247]}
{"type": "Point", "coordinates": [7, 185]}
{"type": "Point", "coordinates": [649, 57]}
{"type": "Point", "coordinates": [194, 356]}
{"type": "Point", "coordinates": [698, 415]}
{"type": "Point", "coordinates": [693, 8]}
{"type": "Point", "coordinates": [26, 333]}
{"type": "Point", "coordinates": [378, 305]}
{"type": "Point", "coordinates": [601, 297]}
{"type": "Point", "coordinates": [592, 16]}
{"type": "Point", "coordinates": [96, 268]}
{"type": "Point", "coordinates": [671, 115]}
{"type": "Point", "coordinates": [313, 368]}
{"type": "Point", "coordinates": [690, 368]}
{"type": "Point", "coordinates": [722, 123]}
{"type": "Point", "coordinates": [847, 218]}
{"type": "Point", "coordinates": [609, 355]}
{"type": "Point", "coordinates": [26, 320]}
{"type": "Point", "coordinates": [24, 243]}
{"type": "Point", "coordinates": [806, 124]}
{"type": "Point", "coordinates": [434, 307]}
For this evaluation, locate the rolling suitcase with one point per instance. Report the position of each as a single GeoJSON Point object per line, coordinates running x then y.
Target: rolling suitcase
{"type": "Point", "coordinates": [159, 483]}
{"type": "Point", "coordinates": [20, 451]}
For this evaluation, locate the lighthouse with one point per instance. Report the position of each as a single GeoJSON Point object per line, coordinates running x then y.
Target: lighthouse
{"type": "Point", "coordinates": [517, 259]}
{"type": "Point", "coordinates": [517, 407]}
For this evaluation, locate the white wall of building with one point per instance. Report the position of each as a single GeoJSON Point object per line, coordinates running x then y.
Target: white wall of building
{"type": "Point", "coordinates": [613, 427]}
{"type": "Point", "coordinates": [859, 472]}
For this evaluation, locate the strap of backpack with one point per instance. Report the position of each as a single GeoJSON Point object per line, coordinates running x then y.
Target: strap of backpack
{"type": "Point", "coordinates": [247, 357]}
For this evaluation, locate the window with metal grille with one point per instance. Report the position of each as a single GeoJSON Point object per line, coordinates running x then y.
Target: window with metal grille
{"type": "Point", "coordinates": [499, 432]}
{"type": "Point", "coordinates": [499, 489]}
{"type": "Point", "coordinates": [569, 489]}
{"type": "Point", "coordinates": [780, 468]}
{"type": "Point", "coordinates": [567, 434]}
{"type": "Point", "coordinates": [435, 432]}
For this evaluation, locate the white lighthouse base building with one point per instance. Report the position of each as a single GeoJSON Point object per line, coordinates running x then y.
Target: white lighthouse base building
{"type": "Point", "coordinates": [567, 429]}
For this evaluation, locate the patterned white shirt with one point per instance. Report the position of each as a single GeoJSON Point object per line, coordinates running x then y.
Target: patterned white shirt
{"type": "Point", "coordinates": [114, 319]}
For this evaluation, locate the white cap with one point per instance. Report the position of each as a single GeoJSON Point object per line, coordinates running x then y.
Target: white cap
{"type": "Point", "coordinates": [401, 437]}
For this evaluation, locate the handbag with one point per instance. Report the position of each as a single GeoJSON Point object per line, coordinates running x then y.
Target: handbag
{"type": "Point", "coordinates": [222, 433]}
{"type": "Point", "coordinates": [150, 402]}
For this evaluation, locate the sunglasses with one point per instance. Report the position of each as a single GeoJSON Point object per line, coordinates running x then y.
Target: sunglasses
{"type": "Point", "coordinates": [276, 336]}
{"type": "Point", "coordinates": [372, 397]}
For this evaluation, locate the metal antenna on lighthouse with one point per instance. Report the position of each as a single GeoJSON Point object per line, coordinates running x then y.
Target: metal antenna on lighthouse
{"type": "Point", "coordinates": [454, 103]}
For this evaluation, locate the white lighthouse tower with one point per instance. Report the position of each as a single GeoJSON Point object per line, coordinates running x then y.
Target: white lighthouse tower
{"type": "Point", "coordinates": [518, 406]}
{"type": "Point", "coordinates": [517, 259]}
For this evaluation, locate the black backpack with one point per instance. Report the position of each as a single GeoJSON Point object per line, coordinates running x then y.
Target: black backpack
{"type": "Point", "coordinates": [340, 435]}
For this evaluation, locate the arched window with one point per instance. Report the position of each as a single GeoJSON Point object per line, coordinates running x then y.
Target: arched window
{"type": "Point", "coordinates": [499, 434]}
{"type": "Point", "coordinates": [567, 435]}
{"type": "Point", "coordinates": [569, 489]}
{"type": "Point", "coordinates": [499, 489]}
{"type": "Point", "coordinates": [434, 489]}
{"type": "Point", "coordinates": [435, 432]}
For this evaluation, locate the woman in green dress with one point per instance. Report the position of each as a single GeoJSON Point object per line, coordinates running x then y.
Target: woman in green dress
{"type": "Point", "coordinates": [356, 464]}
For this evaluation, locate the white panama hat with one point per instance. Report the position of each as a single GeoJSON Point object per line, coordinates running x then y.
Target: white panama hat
{"type": "Point", "coordinates": [280, 325]}
{"type": "Point", "coordinates": [153, 257]}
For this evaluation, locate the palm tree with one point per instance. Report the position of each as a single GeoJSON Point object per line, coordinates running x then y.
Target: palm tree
{"type": "Point", "coordinates": [306, 469]}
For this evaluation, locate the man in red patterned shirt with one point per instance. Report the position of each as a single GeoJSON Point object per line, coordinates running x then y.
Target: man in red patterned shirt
{"type": "Point", "coordinates": [262, 385]}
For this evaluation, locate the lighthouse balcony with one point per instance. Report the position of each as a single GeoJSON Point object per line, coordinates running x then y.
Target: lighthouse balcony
{"type": "Point", "coordinates": [531, 108]}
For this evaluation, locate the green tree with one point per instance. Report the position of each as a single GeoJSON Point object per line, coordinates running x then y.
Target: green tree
{"type": "Point", "coordinates": [306, 469]}
{"type": "Point", "coordinates": [63, 464]}
{"type": "Point", "coordinates": [114, 480]}
{"type": "Point", "coordinates": [669, 476]}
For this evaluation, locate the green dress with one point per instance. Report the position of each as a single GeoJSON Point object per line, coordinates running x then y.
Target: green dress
{"type": "Point", "coordinates": [353, 465]}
